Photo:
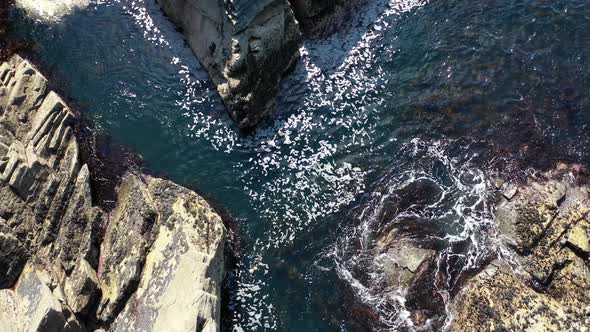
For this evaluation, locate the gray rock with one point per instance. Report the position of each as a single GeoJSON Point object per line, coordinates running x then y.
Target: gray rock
{"type": "Point", "coordinates": [246, 46]}
{"type": "Point", "coordinates": [81, 289]}
{"type": "Point", "coordinates": [75, 276]}
{"type": "Point", "coordinates": [12, 258]}
{"type": "Point", "coordinates": [32, 306]}
{"type": "Point", "coordinates": [127, 239]}
{"type": "Point", "coordinates": [180, 286]}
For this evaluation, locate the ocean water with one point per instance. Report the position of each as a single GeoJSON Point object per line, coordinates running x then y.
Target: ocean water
{"type": "Point", "coordinates": [418, 105]}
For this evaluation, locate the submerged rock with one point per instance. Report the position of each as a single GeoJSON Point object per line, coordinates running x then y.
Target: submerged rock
{"type": "Point", "coordinates": [246, 46]}
{"type": "Point", "coordinates": [320, 17]}
{"type": "Point", "coordinates": [403, 262]}
{"type": "Point", "coordinates": [161, 253]}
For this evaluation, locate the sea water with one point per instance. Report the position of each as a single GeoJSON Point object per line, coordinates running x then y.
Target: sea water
{"type": "Point", "coordinates": [412, 94]}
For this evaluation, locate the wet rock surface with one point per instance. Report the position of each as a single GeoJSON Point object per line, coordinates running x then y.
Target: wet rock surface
{"type": "Point", "coordinates": [246, 46]}
{"type": "Point", "coordinates": [535, 279]}
{"type": "Point", "coordinates": [59, 269]}
{"type": "Point", "coordinates": [541, 282]}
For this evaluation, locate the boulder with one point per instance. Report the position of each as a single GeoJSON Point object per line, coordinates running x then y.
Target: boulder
{"type": "Point", "coordinates": [246, 46]}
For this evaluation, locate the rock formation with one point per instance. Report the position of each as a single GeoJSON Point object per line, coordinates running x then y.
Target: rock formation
{"type": "Point", "coordinates": [155, 261]}
{"type": "Point", "coordinates": [245, 45]}
{"type": "Point", "coordinates": [540, 279]}
{"type": "Point", "coordinates": [543, 284]}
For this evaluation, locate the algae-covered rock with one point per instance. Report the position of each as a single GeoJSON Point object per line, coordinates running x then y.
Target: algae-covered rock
{"type": "Point", "coordinates": [180, 284]}
{"type": "Point", "coordinates": [543, 284]}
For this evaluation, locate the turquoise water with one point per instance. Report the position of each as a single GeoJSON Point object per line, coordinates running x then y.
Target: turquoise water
{"type": "Point", "coordinates": [447, 93]}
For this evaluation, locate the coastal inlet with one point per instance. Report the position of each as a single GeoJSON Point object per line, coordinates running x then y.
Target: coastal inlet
{"type": "Point", "coordinates": [399, 131]}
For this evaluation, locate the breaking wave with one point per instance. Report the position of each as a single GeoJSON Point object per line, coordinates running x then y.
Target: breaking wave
{"type": "Point", "coordinates": [446, 200]}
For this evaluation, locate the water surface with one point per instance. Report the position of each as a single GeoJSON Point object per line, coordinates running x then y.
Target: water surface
{"type": "Point", "coordinates": [449, 93]}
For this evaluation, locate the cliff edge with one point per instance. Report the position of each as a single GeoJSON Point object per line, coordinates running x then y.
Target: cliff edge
{"type": "Point", "coordinates": [155, 262]}
{"type": "Point", "coordinates": [246, 46]}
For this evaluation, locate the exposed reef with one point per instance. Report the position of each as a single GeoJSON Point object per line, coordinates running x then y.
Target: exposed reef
{"type": "Point", "coordinates": [155, 262]}
{"type": "Point", "coordinates": [542, 284]}
{"type": "Point", "coordinates": [536, 280]}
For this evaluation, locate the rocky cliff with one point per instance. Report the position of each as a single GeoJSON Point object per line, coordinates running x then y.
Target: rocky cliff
{"type": "Point", "coordinates": [153, 263]}
{"type": "Point", "coordinates": [245, 45]}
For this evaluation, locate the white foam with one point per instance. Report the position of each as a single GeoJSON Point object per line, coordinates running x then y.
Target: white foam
{"type": "Point", "coordinates": [51, 10]}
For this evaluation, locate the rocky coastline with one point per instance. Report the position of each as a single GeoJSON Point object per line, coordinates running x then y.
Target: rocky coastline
{"type": "Point", "coordinates": [249, 46]}
{"type": "Point", "coordinates": [154, 259]}
{"type": "Point", "coordinates": [535, 281]}
{"type": "Point", "coordinates": [67, 264]}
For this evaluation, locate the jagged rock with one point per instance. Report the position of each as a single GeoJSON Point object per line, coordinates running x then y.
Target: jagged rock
{"type": "Point", "coordinates": [74, 276]}
{"type": "Point", "coordinates": [127, 240]}
{"type": "Point", "coordinates": [180, 286]}
{"type": "Point", "coordinates": [246, 46]}
{"type": "Point", "coordinates": [320, 17]}
{"type": "Point", "coordinates": [545, 287]}
{"type": "Point", "coordinates": [31, 306]}
{"type": "Point", "coordinates": [81, 289]}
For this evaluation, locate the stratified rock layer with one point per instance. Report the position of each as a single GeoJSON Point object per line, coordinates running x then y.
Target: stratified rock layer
{"type": "Point", "coordinates": [159, 264]}
{"type": "Point", "coordinates": [543, 285]}
{"type": "Point", "coordinates": [245, 45]}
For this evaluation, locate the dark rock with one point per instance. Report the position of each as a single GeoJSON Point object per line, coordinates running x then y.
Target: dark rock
{"type": "Point", "coordinates": [12, 258]}
{"type": "Point", "coordinates": [246, 46]}
{"type": "Point", "coordinates": [322, 17]}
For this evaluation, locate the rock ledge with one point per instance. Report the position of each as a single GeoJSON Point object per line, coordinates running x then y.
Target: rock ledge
{"type": "Point", "coordinates": [154, 263]}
